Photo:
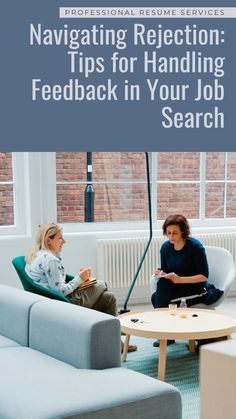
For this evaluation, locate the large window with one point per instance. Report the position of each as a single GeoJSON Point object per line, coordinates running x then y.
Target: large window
{"type": "Point", "coordinates": [220, 185]}
{"type": "Point", "coordinates": [14, 193]}
{"type": "Point", "coordinates": [37, 187]}
{"type": "Point", "coordinates": [119, 183]}
{"type": "Point", "coordinates": [200, 185]}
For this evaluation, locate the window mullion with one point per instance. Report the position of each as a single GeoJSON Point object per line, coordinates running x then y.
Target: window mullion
{"type": "Point", "coordinates": [154, 185]}
{"type": "Point", "coordinates": [202, 204]}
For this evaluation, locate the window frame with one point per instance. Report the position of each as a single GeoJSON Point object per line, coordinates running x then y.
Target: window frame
{"type": "Point", "coordinates": [34, 204]}
{"type": "Point", "coordinates": [20, 191]}
{"type": "Point", "coordinates": [200, 223]}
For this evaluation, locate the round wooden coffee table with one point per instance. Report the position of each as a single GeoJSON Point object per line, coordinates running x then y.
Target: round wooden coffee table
{"type": "Point", "coordinates": [187, 324]}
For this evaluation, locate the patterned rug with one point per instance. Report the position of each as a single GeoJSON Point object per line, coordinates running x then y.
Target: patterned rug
{"type": "Point", "coordinates": [182, 370]}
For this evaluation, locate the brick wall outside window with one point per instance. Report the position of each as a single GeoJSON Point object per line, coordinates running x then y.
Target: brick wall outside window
{"type": "Point", "coordinates": [127, 200]}
{"type": "Point", "coordinates": [215, 191]}
{"type": "Point", "coordinates": [178, 166]}
{"type": "Point", "coordinates": [176, 197]}
{"type": "Point", "coordinates": [119, 181]}
{"type": "Point", "coordinates": [6, 190]}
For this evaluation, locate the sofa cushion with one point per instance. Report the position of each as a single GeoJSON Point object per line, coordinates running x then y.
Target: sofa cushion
{"type": "Point", "coordinates": [82, 337]}
{"type": "Point", "coordinates": [5, 342]}
{"type": "Point", "coordinates": [15, 305]}
{"type": "Point", "coordinates": [44, 387]}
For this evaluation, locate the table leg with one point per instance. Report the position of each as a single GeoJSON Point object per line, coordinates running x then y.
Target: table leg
{"type": "Point", "coordinates": [125, 348]}
{"type": "Point", "coordinates": [162, 359]}
{"type": "Point", "coordinates": [191, 345]}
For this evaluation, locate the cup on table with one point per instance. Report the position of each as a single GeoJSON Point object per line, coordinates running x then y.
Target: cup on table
{"type": "Point", "coordinates": [172, 309]}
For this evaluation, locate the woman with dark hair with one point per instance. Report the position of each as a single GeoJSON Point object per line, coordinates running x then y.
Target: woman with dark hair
{"type": "Point", "coordinates": [184, 268]}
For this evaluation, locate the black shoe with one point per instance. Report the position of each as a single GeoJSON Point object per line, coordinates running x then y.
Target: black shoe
{"type": "Point", "coordinates": [156, 344]}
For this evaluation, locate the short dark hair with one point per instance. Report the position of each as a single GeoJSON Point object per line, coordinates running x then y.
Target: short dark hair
{"type": "Point", "coordinates": [179, 220]}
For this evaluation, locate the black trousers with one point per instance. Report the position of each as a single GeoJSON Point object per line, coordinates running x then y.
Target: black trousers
{"type": "Point", "coordinates": [166, 291]}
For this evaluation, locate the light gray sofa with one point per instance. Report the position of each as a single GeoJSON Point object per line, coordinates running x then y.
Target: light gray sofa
{"type": "Point", "coordinates": [58, 360]}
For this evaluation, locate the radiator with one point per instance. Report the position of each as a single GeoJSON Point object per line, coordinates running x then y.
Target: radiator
{"type": "Point", "coordinates": [118, 259]}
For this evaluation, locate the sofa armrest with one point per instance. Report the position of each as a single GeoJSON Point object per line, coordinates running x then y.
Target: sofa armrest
{"type": "Point", "coordinates": [15, 306]}
{"type": "Point", "coordinates": [81, 337]}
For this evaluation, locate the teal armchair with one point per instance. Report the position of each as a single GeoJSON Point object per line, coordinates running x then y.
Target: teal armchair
{"type": "Point", "coordinates": [31, 286]}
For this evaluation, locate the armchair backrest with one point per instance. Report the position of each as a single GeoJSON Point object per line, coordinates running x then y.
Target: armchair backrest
{"type": "Point", "coordinates": [221, 268]}
{"type": "Point", "coordinates": [221, 272]}
{"type": "Point", "coordinates": [29, 285]}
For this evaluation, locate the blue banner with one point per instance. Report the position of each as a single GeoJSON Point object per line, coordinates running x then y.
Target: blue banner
{"type": "Point", "coordinates": [85, 76]}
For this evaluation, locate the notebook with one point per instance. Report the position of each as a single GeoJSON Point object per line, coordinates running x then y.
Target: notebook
{"type": "Point", "coordinates": [90, 283]}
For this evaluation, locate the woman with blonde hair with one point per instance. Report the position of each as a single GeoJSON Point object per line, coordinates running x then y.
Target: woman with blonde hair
{"type": "Point", "coordinates": [44, 266]}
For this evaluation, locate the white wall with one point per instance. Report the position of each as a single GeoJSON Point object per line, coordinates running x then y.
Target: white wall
{"type": "Point", "coordinates": [79, 250]}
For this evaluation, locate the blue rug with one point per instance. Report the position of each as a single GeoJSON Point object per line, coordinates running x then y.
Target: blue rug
{"type": "Point", "coordinates": [182, 370]}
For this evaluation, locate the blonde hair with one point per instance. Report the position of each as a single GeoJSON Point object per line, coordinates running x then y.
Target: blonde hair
{"type": "Point", "coordinates": [45, 231]}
